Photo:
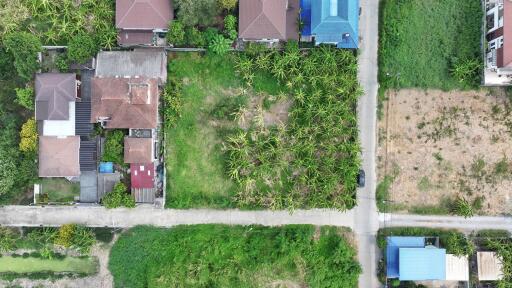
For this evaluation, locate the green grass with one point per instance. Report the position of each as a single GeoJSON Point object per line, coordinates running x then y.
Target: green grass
{"type": "Point", "coordinates": [60, 190]}
{"type": "Point", "coordinates": [195, 170]}
{"type": "Point", "coordinates": [233, 256]}
{"type": "Point", "coordinates": [32, 265]}
{"type": "Point", "coordinates": [420, 40]}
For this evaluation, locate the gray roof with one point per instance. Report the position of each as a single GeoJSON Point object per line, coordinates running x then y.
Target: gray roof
{"type": "Point", "coordinates": [54, 91]}
{"type": "Point", "coordinates": [148, 63]}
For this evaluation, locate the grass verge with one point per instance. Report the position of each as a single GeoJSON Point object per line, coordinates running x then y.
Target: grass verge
{"type": "Point", "coordinates": [31, 265]}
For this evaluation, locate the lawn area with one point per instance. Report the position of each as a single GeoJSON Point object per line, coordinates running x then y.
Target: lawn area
{"type": "Point", "coordinates": [234, 256]}
{"type": "Point", "coordinates": [266, 129]}
{"type": "Point", "coordinates": [60, 190]}
{"type": "Point", "coordinates": [421, 41]}
{"type": "Point", "coordinates": [31, 265]}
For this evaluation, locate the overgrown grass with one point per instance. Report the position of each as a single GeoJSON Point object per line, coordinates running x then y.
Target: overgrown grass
{"type": "Point", "coordinates": [60, 190]}
{"type": "Point", "coordinates": [420, 42]}
{"type": "Point", "coordinates": [233, 256]}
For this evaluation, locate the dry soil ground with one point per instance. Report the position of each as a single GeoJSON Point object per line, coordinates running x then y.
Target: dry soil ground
{"type": "Point", "coordinates": [441, 145]}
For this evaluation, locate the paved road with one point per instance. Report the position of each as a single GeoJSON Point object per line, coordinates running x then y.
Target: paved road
{"type": "Point", "coordinates": [146, 215]}
{"type": "Point", "coordinates": [436, 221]}
{"type": "Point", "coordinates": [366, 218]}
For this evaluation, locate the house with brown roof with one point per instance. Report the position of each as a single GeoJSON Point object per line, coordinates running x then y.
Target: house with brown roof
{"type": "Point", "coordinates": [143, 22]}
{"type": "Point", "coordinates": [498, 54]}
{"type": "Point", "coordinates": [268, 20]}
{"type": "Point", "coordinates": [59, 148]}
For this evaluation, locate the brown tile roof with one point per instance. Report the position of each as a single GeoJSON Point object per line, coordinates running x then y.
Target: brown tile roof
{"type": "Point", "coordinates": [53, 92]}
{"type": "Point", "coordinates": [138, 150]}
{"type": "Point", "coordinates": [59, 157]}
{"type": "Point", "coordinates": [507, 33]}
{"type": "Point", "coordinates": [126, 102]}
{"type": "Point", "coordinates": [268, 19]}
{"type": "Point", "coordinates": [143, 14]}
{"type": "Point", "coordinates": [134, 37]}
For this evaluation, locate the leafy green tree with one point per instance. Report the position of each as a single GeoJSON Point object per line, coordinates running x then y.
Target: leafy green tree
{"type": "Point", "coordinates": [197, 12]}
{"type": "Point", "coordinates": [118, 198]}
{"type": "Point", "coordinates": [172, 102]}
{"type": "Point", "coordinates": [176, 33]}
{"type": "Point", "coordinates": [25, 97]}
{"type": "Point", "coordinates": [228, 4]}
{"type": "Point", "coordinates": [12, 14]}
{"type": "Point", "coordinates": [24, 47]}
{"type": "Point", "coordinates": [81, 48]}
{"type": "Point", "coordinates": [114, 145]}
{"type": "Point", "coordinates": [220, 45]}
{"type": "Point", "coordinates": [28, 136]}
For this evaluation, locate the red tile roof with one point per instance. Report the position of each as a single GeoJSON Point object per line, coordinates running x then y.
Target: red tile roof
{"type": "Point", "coordinates": [142, 175]}
{"type": "Point", "coordinates": [143, 14]}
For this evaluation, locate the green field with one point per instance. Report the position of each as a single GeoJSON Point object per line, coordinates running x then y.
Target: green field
{"type": "Point", "coordinates": [419, 41]}
{"type": "Point", "coordinates": [234, 256]}
{"type": "Point", "coordinates": [32, 265]}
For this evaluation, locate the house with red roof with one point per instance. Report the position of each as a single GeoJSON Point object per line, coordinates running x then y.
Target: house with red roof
{"type": "Point", "coordinates": [498, 54]}
{"type": "Point", "coordinates": [143, 22]}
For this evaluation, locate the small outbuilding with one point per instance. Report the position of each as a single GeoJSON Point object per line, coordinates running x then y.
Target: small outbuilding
{"type": "Point", "coordinates": [59, 156]}
{"type": "Point", "coordinates": [490, 266]}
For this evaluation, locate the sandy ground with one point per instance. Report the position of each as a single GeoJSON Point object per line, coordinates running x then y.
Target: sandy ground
{"type": "Point", "coordinates": [441, 145]}
{"type": "Point", "coordinates": [103, 279]}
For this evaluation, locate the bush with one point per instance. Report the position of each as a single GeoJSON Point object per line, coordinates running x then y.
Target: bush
{"type": "Point", "coordinates": [194, 37]}
{"type": "Point", "coordinates": [25, 97]}
{"type": "Point", "coordinates": [24, 47]}
{"type": "Point", "coordinates": [227, 4]}
{"type": "Point", "coordinates": [62, 63]}
{"type": "Point", "coordinates": [28, 136]}
{"type": "Point", "coordinates": [176, 33]}
{"type": "Point", "coordinates": [172, 102]}
{"type": "Point", "coordinates": [8, 238]}
{"type": "Point", "coordinates": [209, 34]}
{"type": "Point", "coordinates": [197, 12]}
{"type": "Point", "coordinates": [459, 245]}
{"type": "Point", "coordinates": [114, 144]}
{"type": "Point", "coordinates": [230, 28]}
{"type": "Point", "coordinates": [75, 236]}
{"type": "Point", "coordinates": [118, 198]}
{"type": "Point", "coordinates": [467, 72]}
{"type": "Point", "coordinates": [228, 107]}
{"type": "Point", "coordinates": [219, 45]}
{"type": "Point", "coordinates": [81, 48]}
{"type": "Point", "coordinates": [462, 207]}
{"type": "Point", "coordinates": [104, 234]}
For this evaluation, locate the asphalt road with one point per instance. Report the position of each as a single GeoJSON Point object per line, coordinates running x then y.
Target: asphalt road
{"type": "Point", "coordinates": [366, 217]}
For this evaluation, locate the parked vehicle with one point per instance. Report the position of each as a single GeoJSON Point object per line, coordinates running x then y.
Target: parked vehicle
{"type": "Point", "coordinates": [361, 178]}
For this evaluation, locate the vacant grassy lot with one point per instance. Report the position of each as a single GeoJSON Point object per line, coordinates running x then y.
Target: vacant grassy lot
{"type": "Point", "coordinates": [419, 41]}
{"type": "Point", "coordinates": [32, 265]}
{"type": "Point", "coordinates": [60, 190]}
{"type": "Point", "coordinates": [234, 256]}
{"type": "Point", "coordinates": [436, 146]}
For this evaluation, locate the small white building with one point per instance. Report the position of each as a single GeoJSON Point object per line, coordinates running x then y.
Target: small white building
{"type": "Point", "coordinates": [490, 267]}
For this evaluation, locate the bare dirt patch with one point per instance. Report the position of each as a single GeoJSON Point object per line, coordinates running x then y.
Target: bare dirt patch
{"type": "Point", "coordinates": [442, 145]}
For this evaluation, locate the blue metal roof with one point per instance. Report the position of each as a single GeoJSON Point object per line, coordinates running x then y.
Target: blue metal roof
{"type": "Point", "coordinates": [305, 16]}
{"type": "Point", "coordinates": [335, 21]}
{"type": "Point", "coordinates": [392, 249]}
{"type": "Point", "coordinates": [106, 167]}
{"type": "Point", "coordinates": [416, 264]}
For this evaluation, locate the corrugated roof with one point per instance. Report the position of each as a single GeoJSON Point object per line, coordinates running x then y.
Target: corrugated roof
{"type": "Point", "coordinates": [330, 25]}
{"type": "Point", "coordinates": [59, 156]}
{"type": "Point", "coordinates": [393, 246]}
{"type": "Point", "coordinates": [138, 150]}
{"type": "Point", "coordinates": [149, 63]}
{"type": "Point", "coordinates": [416, 264]}
{"type": "Point", "coordinates": [143, 14]}
{"type": "Point", "coordinates": [142, 175]}
{"type": "Point", "coordinates": [490, 267]}
{"type": "Point", "coordinates": [457, 268]}
{"type": "Point", "coordinates": [53, 92]}
{"type": "Point", "coordinates": [268, 19]}
{"type": "Point", "coordinates": [126, 102]}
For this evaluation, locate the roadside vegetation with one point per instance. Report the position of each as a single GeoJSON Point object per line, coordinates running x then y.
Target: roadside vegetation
{"type": "Point", "coordinates": [234, 256]}
{"type": "Point", "coordinates": [264, 129]}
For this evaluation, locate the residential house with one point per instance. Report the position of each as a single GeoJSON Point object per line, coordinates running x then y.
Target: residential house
{"type": "Point", "coordinates": [143, 22]}
{"type": "Point", "coordinates": [413, 259]}
{"type": "Point", "coordinates": [331, 22]}
{"type": "Point", "coordinates": [125, 95]}
{"type": "Point", "coordinates": [498, 63]}
{"type": "Point", "coordinates": [56, 94]}
{"type": "Point", "coordinates": [268, 20]}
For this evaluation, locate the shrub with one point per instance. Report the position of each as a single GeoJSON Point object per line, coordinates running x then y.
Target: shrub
{"type": "Point", "coordinates": [28, 136]}
{"type": "Point", "coordinates": [24, 47]}
{"type": "Point", "coordinates": [81, 48]}
{"type": "Point", "coordinates": [467, 71]}
{"type": "Point", "coordinates": [65, 235]}
{"type": "Point", "coordinates": [25, 97]}
{"type": "Point", "coordinates": [395, 283]}
{"type": "Point", "coordinates": [230, 27]}
{"type": "Point", "coordinates": [118, 198]}
{"type": "Point", "coordinates": [8, 238]}
{"type": "Point", "coordinates": [172, 102]}
{"type": "Point", "coordinates": [114, 144]}
{"type": "Point", "coordinates": [228, 107]}
{"type": "Point", "coordinates": [62, 63]}
{"type": "Point", "coordinates": [75, 236]}
{"type": "Point", "coordinates": [197, 12]}
{"type": "Point", "coordinates": [194, 37]}
{"type": "Point", "coordinates": [227, 4]}
{"type": "Point", "coordinates": [253, 49]}
{"type": "Point", "coordinates": [176, 34]}
{"type": "Point", "coordinates": [462, 207]}
{"type": "Point", "coordinates": [209, 34]}
{"type": "Point", "coordinates": [219, 45]}
{"type": "Point", "coordinates": [459, 245]}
